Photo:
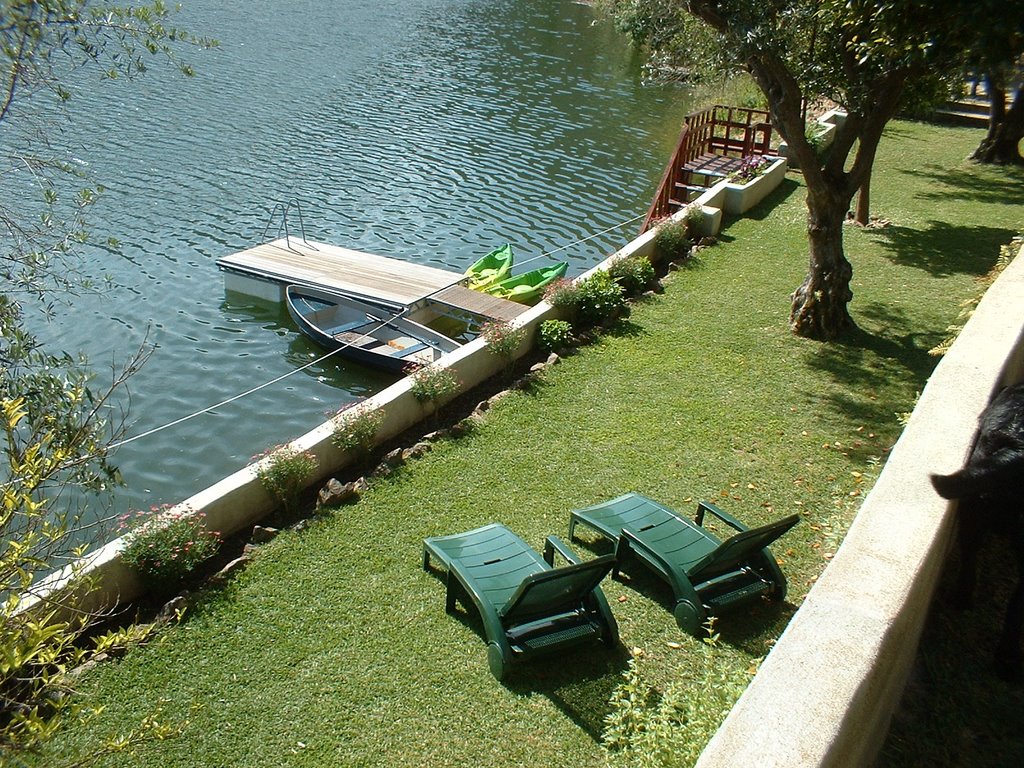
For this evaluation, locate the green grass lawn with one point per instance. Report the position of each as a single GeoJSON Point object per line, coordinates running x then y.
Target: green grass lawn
{"type": "Point", "coordinates": [333, 647]}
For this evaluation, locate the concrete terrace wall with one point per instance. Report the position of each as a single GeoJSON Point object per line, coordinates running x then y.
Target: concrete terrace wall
{"type": "Point", "coordinates": [826, 693]}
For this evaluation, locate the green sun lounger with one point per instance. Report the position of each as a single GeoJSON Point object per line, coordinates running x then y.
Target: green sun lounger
{"type": "Point", "coordinates": [528, 607]}
{"type": "Point", "coordinates": [707, 575]}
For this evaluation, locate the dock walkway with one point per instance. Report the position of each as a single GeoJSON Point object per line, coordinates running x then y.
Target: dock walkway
{"type": "Point", "coordinates": [380, 279]}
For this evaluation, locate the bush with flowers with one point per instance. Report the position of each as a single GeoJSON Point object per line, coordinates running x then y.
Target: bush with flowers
{"type": "Point", "coordinates": [283, 472]}
{"type": "Point", "coordinates": [166, 544]}
{"type": "Point", "coordinates": [503, 340]}
{"type": "Point", "coordinates": [356, 427]}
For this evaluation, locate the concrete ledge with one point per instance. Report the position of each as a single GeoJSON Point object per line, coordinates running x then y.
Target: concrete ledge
{"type": "Point", "coordinates": [826, 693]}
{"type": "Point", "coordinates": [736, 199]}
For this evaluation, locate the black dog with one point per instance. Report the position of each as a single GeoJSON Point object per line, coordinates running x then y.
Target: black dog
{"type": "Point", "coordinates": [990, 488]}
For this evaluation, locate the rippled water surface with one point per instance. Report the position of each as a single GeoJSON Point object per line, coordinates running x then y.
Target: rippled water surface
{"type": "Point", "coordinates": [427, 130]}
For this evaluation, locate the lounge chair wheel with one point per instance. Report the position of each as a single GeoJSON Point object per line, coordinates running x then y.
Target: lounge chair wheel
{"type": "Point", "coordinates": [688, 616]}
{"type": "Point", "coordinates": [497, 661]}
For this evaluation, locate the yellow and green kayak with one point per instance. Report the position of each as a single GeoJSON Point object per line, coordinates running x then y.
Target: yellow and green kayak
{"type": "Point", "coordinates": [528, 287]}
{"type": "Point", "coordinates": [491, 269]}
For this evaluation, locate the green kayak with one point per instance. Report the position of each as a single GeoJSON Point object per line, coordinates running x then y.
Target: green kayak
{"type": "Point", "coordinates": [528, 287]}
{"type": "Point", "coordinates": [492, 268]}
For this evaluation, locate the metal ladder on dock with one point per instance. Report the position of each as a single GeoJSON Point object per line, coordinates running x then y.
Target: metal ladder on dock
{"type": "Point", "coordinates": [282, 228]}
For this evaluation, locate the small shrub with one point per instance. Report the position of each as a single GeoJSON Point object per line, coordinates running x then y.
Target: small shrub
{"type": "Point", "coordinates": [815, 134]}
{"type": "Point", "coordinates": [669, 726]}
{"type": "Point", "coordinates": [563, 295]}
{"type": "Point", "coordinates": [587, 302]}
{"type": "Point", "coordinates": [433, 383]}
{"type": "Point", "coordinates": [694, 217]}
{"type": "Point", "coordinates": [502, 339]}
{"type": "Point", "coordinates": [672, 239]}
{"type": "Point", "coordinates": [598, 298]}
{"type": "Point", "coordinates": [554, 334]}
{"type": "Point", "coordinates": [168, 546]}
{"type": "Point", "coordinates": [284, 472]}
{"type": "Point", "coordinates": [633, 273]}
{"type": "Point", "coordinates": [355, 429]}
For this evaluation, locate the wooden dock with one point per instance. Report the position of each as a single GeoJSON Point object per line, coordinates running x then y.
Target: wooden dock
{"type": "Point", "coordinates": [464, 299]}
{"type": "Point", "coordinates": [266, 269]}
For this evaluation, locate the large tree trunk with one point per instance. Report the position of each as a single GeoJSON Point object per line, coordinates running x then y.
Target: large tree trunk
{"type": "Point", "coordinates": [819, 308]}
{"type": "Point", "coordinates": [1006, 129]}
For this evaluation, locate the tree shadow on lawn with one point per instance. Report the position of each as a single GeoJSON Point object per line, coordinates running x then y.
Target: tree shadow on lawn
{"type": "Point", "coordinates": [945, 249]}
{"type": "Point", "coordinates": [762, 210]}
{"type": "Point", "coordinates": [863, 363]}
{"type": "Point", "coordinates": [1005, 189]}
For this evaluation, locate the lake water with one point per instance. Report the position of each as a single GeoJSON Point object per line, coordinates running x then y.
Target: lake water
{"type": "Point", "coordinates": [427, 130]}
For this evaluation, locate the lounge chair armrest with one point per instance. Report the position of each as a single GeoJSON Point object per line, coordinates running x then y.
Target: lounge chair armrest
{"type": "Point", "coordinates": [721, 514]}
{"type": "Point", "coordinates": [554, 544]}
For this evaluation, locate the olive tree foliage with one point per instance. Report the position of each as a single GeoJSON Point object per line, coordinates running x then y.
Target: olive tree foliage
{"type": "Point", "coordinates": [862, 55]}
{"type": "Point", "coordinates": [56, 425]}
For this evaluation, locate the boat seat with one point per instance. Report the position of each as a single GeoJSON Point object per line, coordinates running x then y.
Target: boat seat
{"type": "Point", "coordinates": [355, 339]}
{"type": "Point", "coordinates": [336, 332]}
{"type": "Point", "coordinates": [412, 350]}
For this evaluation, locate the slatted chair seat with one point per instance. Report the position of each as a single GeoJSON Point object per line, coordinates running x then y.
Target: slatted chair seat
{"type": "Point", "coordinates": [707, 575]}
{"type": "Point", "coordinates": [528, 607]}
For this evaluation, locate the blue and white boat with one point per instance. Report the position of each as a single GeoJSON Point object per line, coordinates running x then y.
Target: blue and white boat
{"type": "Point", "coordinates": [364, 333]}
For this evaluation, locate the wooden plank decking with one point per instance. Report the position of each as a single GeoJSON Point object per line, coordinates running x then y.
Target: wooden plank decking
{"type": "Point", "coordinates": [365, 275]}
{"type": "Point", "coordinates": [340, 269]}
{"type": "Point", "coordinates": [479, 303]}
{"type": "Point", "coordinates": [713, 165]}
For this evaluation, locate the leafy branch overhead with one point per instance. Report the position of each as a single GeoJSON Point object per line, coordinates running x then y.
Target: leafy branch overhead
{"type": "Point", "coordinates": [45, 40]}
{"type": "Point", "coordinates": [56, 426]}
{"type": "Point", "coordinates": [44, 45]}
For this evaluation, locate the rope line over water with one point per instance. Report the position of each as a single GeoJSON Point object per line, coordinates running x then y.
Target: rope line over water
{"type": "Point", "coordinates": [320, 359]}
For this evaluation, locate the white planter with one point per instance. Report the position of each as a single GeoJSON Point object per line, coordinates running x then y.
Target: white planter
{"type": "Point", "coordinates": [740, 198]}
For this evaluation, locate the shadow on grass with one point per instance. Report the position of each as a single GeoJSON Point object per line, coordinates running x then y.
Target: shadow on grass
{"type": "Point", "coordinates": [762, 210]}
{"type": "Point", "coordinates": [945, 249]}
{"type": "Point", "coordinates": [865, 363]}
{"type": "Point", "coordinates": [579, 680]}
{"type": "Point", "coordinates": [955, 710]}
{"type": "Point", "coordinates": [1005, 188]}
{"type": "Point", "coordinates": [624, 328]}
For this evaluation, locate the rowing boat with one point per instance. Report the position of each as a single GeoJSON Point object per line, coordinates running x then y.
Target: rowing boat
{"type": "Point", "coordinates": [363, 332]}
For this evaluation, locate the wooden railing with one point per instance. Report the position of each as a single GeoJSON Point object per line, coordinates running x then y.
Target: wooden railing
{"type": "Point", "coordinates": [719, 131]}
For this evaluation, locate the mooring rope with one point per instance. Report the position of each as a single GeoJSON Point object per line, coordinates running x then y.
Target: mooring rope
{"type": "Point", "coordinates": [548, 254]}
